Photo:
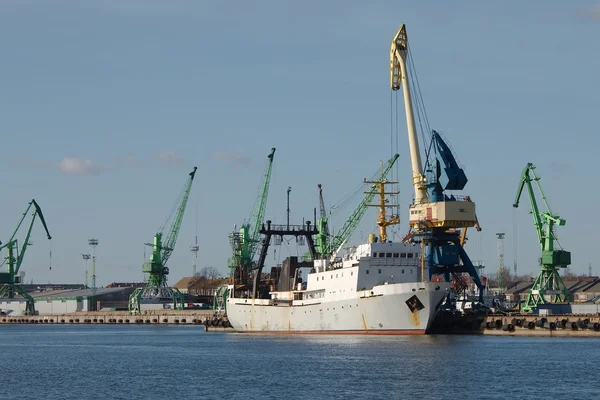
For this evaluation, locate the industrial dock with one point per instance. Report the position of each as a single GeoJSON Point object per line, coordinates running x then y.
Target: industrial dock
{"type": "Point", "coordinates": [422, 282]}
{"type": "Point", "coordinates": [205, 319]}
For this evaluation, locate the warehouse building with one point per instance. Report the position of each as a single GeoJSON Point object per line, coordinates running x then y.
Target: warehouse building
{"type": "Point", "coordinates": [60, 301]}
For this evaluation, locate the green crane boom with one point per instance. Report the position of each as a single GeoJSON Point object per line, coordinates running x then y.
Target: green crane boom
{"type": "Point", "coordinates": [548, 287]}
{"type": "Point", "coordinates": [245, 242]}
{"type": "Point", "coordinates": [173, 231]}
{"type": "Point", "coordinates": [322, 238]}
{"type": "Point", "coordinates": [259, 210]}
{"type": "Point", "coordinates": [352, 222]}
{"type": "Point", "coordinates": [10, 280]}
{"type": "Point", "coordinates": [156, 284]}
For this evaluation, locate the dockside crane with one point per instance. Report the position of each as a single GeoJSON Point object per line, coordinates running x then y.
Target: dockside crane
{"type": "Point", "coordinates": [10, 281]}
{"type": "Point", "coordinates": [435, 215]}
{"type": "Point", "coordinates": [322, 237]}
{"type": "Point", "coordinates": [156, 289]}
{"type": "Point", "coordinates": [548, 288]}
{"type": "Point", "coordinates": [244, 242]}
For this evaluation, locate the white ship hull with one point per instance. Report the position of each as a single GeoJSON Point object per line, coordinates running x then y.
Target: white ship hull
{"type": "Point", "coordinates": [387, 309]}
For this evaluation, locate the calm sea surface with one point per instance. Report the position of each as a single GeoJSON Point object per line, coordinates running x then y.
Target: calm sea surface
{"type": "Point", "coordinates": [177, 362]}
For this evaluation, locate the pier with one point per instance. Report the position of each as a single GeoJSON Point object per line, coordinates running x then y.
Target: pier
{"type": "Point", "coordinates": [557, 325]}
{"type": "Point", "coordinates": [203, 318]}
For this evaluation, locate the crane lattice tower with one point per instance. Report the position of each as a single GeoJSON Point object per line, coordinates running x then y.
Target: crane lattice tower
{"type": "Point", "coordinates": [500, 237]}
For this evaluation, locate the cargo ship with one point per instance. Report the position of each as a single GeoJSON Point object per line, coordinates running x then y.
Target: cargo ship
{"type": "Point", "coordinates": [375, 288]}
{"type": "Point", "coordinates": [379, 287]}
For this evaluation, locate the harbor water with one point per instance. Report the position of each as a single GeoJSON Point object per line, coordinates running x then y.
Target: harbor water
{"type": "Point", "coordinates": [154, 362]}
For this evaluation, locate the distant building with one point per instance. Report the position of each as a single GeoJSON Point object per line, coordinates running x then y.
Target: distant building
{"type": "Point", "coordinates": [60, 301]}
{"type": "Point", "coordinates": [582, 289]}
{"type": "Point", "coordinates": [198, 286]}
{"type": "Point", "coordinates": [126, 284]}
{"type": "Point", "coordinates": [185, 284]}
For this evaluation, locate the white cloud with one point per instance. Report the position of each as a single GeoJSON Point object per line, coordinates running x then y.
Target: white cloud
{"type": "Point", "coordinates": [130, 161]}
{"type": "Point", "coordinates": [78, 166]}
{"type": "Point", "coordinates": [232, 157]}
{"type": "Point", "coordinates": [170, 158]}
{"type": "Point", "coordinates": [592, 12]}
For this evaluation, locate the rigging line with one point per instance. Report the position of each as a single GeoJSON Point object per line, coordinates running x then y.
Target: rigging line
{"type": "Point", "coordinates": [172, 212]}
{"type": "Point", "coordinates": [346, 198]}
{"type": "Point", "coordinates": [344, 201]}
{"type": "Point", "coordinates": [397, 164]}
{"type": "Point", "coordinates": [419, 87]}
{"type": "Point", "coordinates": [417, 104]}
{"type": "Point", "coordinates": [419, 98]}
{"type": "Point", "coordinates": [391, 123]}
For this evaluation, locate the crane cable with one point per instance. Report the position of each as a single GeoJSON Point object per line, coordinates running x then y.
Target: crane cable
{"type": "Point", "coordinates": [418, 100]}
{"type": "Point", "coordinates": [346, 199]}
{"type": "Point", "coordinates": [173, 210]}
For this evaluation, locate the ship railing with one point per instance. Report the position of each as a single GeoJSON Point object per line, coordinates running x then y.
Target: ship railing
{"type": "Point", "coordinates": [391, 262]}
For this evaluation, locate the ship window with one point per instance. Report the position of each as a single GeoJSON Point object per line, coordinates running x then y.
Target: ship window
{"type": "Point", "coordinates": [410, 255]}
{"type": "Point", "coordinates": [367, 271]}
{"type": "Point", "coordinates": [331, 276]}
{"type": "Point", "coordinates": [374, 254]}
{"type": "Point", "coordinates": [402, 271]}
{"type": "Point", "coordinates": [336, 275]}
{"type": "Point", "coordinates": [381, 254]}
{"type": "Point", "coordinates": [351, 273]}
{"type": "Point", "coordinates": [396, 255]}
{"type": "Point", "coordinates": [411, 271]}
{"type": "Point", "coordinates": [388, 255]}
{"type": "Point", "coordinates": [379, 271]}
{"type": "Point", "coordinates": [317, 278]}
{"type": "Point", "coordinates": [402, 255]}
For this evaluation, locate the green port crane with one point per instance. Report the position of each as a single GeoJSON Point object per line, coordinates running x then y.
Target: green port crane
{"type": "Point", "coordinates": [10, 280]}
{"type": "Point", "coordinates": [322, 226]}
{"type": "Point", "coordinates": [548, 288]}
{"type": "Point", "coordinates": [245, 242]}
{"type": "Point", "coordinates": [156, 289]}
{"type": "Point", "coordinates": [339, 240]}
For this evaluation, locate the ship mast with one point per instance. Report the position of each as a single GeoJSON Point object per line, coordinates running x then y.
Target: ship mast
{"type": "Point", "coordinates": [383, 203]}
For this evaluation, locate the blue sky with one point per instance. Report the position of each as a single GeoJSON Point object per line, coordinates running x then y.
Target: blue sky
{"type": "Point", "coordinates": [107, 105]}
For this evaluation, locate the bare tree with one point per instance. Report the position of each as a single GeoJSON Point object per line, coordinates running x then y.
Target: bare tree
{"type": "Point", "coordinates": [209, 273]}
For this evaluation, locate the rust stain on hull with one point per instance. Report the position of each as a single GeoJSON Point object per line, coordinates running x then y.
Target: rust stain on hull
{"type": "Point", "coordinates": [415, 318]}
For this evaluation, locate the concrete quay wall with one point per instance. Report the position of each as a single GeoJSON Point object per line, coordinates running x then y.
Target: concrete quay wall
{"type": "Point", "coordinates": [559, 325]}
{"type": "Point", "coordinates": [169, 317]}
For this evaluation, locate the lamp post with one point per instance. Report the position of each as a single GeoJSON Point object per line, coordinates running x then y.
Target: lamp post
{"type": "Point", "coordinates": [93, 243]}
{"type": "Point", "coordinates": [86, 257]}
